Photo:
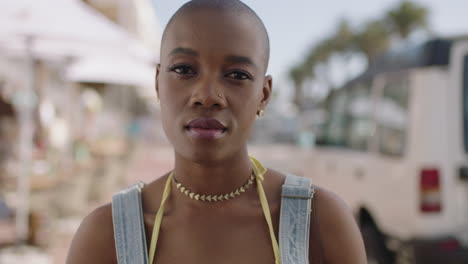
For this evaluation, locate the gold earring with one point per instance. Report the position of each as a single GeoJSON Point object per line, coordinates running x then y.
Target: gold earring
{"type": "Point", "coordinates": [261, 113]}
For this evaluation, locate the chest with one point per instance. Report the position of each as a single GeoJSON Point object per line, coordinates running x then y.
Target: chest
{"type": "Point", "coordinates": [208, 238]}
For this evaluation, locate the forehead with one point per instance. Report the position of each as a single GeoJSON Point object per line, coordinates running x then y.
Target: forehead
{"type": "Point", "coordinates": [216, 33]}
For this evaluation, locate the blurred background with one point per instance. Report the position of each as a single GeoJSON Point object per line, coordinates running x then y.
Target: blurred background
{"type": "Point", "coordinates": [370, 101]}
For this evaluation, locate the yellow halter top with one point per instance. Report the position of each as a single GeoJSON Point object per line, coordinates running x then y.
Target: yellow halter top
{"type": "Point", "coordinates": [258, 171]}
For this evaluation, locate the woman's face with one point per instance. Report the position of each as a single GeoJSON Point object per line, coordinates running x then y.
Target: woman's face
{"type": "Point", "coordinates": [211, 83]}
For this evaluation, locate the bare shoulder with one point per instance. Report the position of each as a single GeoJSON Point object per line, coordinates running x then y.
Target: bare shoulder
{"type": "Point", "coordinates": [273, 182]}
{"type": "Point", "coordinates": [94, 240]}
{"type": "Point", "coordinates": [338, 230]}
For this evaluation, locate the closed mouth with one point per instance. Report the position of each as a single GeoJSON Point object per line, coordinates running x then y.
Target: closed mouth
{"type": "Point", "coordinates": [206, 128]}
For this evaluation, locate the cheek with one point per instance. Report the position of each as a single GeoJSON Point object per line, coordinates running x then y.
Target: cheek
{"type": "Point", "coordinates": [247, 99]}
{"type": "Point", "coordinates": [166, 117]}
{"type": "Point", "coordinates": [170, 103]}
{"type": "Point", "coordinates": [245, 110]}
{"type": "Point", "coordinates": [171, 93]}
{"type": "Point", "coordinates": [164, 88]}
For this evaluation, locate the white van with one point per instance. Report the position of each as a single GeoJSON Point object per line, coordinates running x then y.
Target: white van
{"type": "Point", "coordinates": [395, 147]}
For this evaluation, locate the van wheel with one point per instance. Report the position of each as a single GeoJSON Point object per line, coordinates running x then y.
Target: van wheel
{"type": "Point", "coordinates": [376, 251]}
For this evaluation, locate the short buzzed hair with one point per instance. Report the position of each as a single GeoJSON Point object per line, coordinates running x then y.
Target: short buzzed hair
{"type": "Point", "coordinates": [234, 6]}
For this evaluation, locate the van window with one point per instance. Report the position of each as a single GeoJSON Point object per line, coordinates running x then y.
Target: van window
{"type": "Point", "coordinates": [392, 116]}
{"type": "Point", "coordinates": [335, 129]}
{"type": "Point", "coordinates": [349, 123]}
{"type": "Point", "coordinates": [358, 115]}
{"type": "Point", "coordinates": [465, 100]}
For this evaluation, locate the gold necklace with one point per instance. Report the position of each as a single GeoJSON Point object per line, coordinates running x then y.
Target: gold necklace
{"type": "Point", "coordinates": [214, 197]}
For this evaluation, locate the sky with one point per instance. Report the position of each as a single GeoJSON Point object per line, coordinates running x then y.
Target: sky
{"type": "Point", "coordinates": [295, 25]}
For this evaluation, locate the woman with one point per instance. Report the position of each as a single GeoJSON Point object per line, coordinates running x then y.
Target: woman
{"type": "Point", "coordinates": [217, 205]}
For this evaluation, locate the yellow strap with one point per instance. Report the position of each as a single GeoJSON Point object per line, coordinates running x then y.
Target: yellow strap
{"type": "Point", "coordinates": [158, 218]}
{"type": "Point", "coordinates": [259, 171]}
{"type": "Point", "coordinates": [258, 168]}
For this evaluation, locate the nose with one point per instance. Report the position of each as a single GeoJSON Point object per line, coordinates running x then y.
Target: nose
{"type": "Point", "coordinates": [207, 94]}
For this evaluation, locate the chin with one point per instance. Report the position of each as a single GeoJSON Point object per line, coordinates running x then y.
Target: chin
{"type": "Point", "coordinates": [205, 155]}
{"type": "Point", "coordinates": [205, 151]}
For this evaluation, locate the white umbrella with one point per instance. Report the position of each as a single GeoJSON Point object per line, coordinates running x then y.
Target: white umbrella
{"type": "Point", "coordinates": [64, 28]}
{"type": "Point", "coordinates": [117, 70]}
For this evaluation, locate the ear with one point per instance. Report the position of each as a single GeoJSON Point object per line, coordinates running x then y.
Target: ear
{"type": "Point", "coordinates": [266, 92]}
{"type": "Point", "coordinates": [158, 67]}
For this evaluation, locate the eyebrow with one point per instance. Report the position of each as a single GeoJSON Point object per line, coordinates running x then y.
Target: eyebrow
{"type": "Point", "coordinates": [186, 51]}
{"type": "Point", "coordinates": [231, 58]}
{"type": "Point", "coordinates": [240, 59]}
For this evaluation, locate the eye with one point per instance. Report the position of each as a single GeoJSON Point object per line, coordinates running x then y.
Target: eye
{"type": "Point", "coordinates": [183, 69]}
{"type": "Point", "coordinates": [239, 75]}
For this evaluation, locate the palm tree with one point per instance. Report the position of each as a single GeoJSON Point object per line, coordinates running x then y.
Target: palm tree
{"type": "Point", "coordinates": [297, 75]}
{"type": "Point", "coordinates": [343, 38]}
{"type": "Point", "coordinates": [373, 39]}
{"type": "Point", "coordinates": [319, 55]}
{"type": "Point", "coordinates": [345, 45]}
{"type": "Point", "coordinates": [407, 17]}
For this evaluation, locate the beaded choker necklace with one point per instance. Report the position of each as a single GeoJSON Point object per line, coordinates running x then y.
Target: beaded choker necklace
{"type": "Point", "coordinates": [214, 197]}
{"type": "Point", "coordinates": [258, 171]}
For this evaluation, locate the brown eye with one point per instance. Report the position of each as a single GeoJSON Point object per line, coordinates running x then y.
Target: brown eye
{"type": "Point", "coordinates": [183, 69]}
{"type": "Point", "coordinates": [239, 75]}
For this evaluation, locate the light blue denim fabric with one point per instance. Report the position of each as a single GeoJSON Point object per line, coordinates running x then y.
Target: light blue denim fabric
{"type": "Point", "coordinates": [129, 232]}
{"type": "Point", "coordinates": [296, 200]}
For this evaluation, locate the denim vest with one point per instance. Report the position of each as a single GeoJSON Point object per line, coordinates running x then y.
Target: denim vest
{"type": "Point", "coordinates": [296, 199]}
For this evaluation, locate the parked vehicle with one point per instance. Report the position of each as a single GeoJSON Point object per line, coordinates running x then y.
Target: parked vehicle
{"type": "Point", "coordinates": [395, 147]}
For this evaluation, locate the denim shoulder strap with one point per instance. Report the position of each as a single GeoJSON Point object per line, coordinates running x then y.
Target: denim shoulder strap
{"type": "Point", "coordinates": [129, 231]}
{"type": "Point", "coordinates": [296, 198]}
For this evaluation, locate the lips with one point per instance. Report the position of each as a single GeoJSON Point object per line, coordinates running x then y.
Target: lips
{"type": "Point", "coordinates": [206, 128]}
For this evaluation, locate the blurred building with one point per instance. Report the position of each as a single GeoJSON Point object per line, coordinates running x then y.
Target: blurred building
{"type": "Point", "coordinates": [68, 113]}
{"type": "Point", "coordinates": [135, 16]}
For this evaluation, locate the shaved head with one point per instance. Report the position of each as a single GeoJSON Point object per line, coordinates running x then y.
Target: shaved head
{"type": "Point", "coordinates": [214, 58]}
{"type": "Point", "coordinates": [232, 7]}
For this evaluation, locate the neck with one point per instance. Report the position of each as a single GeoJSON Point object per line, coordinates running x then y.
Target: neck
{"type": "Point", "coordinates": [217, 177]}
